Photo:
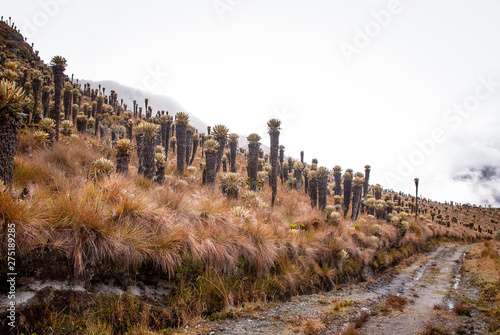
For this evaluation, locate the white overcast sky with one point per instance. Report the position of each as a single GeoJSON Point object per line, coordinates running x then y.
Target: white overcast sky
{"type": "Point", "coordinates": [242, 62]}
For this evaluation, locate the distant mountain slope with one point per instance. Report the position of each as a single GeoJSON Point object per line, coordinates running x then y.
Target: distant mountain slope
{"type": "Point", "coordinates": [157, 102]}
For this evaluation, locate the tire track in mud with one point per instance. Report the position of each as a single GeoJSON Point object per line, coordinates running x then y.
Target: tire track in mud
{"type": "Point", "coordinates": [425, 283]}
{"type": "Point", "coordinates": [429, 287]}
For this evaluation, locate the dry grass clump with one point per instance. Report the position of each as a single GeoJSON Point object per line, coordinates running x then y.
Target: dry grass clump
{"type": "Point", "coordinates": [462, 308]}
{"type": "Point", "coordinates": [393, 302]}
{"type": "Point", "coordinates": [483, 264]}
{"type": "Point", "coordinates": [209, 209]}
{"type": "Point", "coordinates": [41, 178]}
{"type": "Point", "coordinates": [143, 183]}
{"type": "Point", "coordinates": [312, 327]}
{"type": "Point", "coordinates": [28, 143]}
{"type": "Point", "coordinates": [72, 159]}
{"type": "Point", "coordinates": [433, 329]}
{"type": "Point", "coordinates": [31, 230]}
{"type": "Point", "coordinates": [490, 250]}
{"type": "Point", "coordinates": [350, 330]}
{"type": "Point", "coordinates": [32, 171]}
{"type": "Point", "coordinates": [171, 198]}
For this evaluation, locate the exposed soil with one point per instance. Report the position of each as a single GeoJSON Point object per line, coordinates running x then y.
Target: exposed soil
{"type": "Point", "coordinates": [427, 289]}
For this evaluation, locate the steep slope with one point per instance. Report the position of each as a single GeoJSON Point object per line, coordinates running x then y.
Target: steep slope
{"type": "Point", "coordinates": [14, 43]}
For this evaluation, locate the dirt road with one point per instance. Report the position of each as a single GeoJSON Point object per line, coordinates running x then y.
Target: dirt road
{"type": "Point", "coordinates": [425, 288]}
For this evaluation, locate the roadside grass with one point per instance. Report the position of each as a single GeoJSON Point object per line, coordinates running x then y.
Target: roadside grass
{"type": "Point", "coordinates": [483, 264]}
{"type": "Point", "coordinates": [433, 329]}
{"type": "Point", "coordinates": [393, 303]}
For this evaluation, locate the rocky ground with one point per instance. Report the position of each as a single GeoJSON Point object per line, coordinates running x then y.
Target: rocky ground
{"type": "Point", "coordinates": [407, 300]}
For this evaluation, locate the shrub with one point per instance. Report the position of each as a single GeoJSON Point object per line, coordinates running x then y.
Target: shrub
{"type": "Point", "coordinates": [462, 308]}
{"type": "Point", "coordinates": [393, 302]}
{"type": "Point", "coordinates": [41, 137]}
{"type": "Point", "coordinates": [431, 329]}
{"type": "Point", "coordinates": [231, 183]}
{"type": "Point", "coordinates": [66, 128]}
{"type": "Point", "coordinates": [350, 330]}
{"type": "Point", "coordinates": [102, 167]}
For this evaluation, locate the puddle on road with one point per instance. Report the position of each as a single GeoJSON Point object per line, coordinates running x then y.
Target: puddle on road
{"type": "Point", "coordinates": [457, 278]}
{"type": "Point", "coordinates": [449, 303]}
{"type": "Point", "coordinates": [420, 272]}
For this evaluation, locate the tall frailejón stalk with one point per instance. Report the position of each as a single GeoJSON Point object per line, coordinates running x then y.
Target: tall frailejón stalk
{"type": "Point", "coordinates": [305, 173]}
{"type": "Point", "coordinates": [282, 158]}
{"type": "Point", "coordinates": [416, 197]}
{"type": "Point", "coordinates": [313, 187]}
{"type": "Point", "coordinates": [357, 189]}
{"type": "Point", "coordinates": [36, 84]}
{"type": "Point", "coordinates": [161, 162]}
{"type": "Point", "coordinates": [378, 192]}
{"type": "Point", "coordinates": [67, 100]}
{"type": "Point", "coordinates": [337, 175]}
{"type": "Point", "coordinates": [298, 168]}
{"type": "Point", "coordinates": [12, 101]}
{"type": "Point", "coordinates": [253, 160]}
{"type": "Point", "coordinates": [189, 142]}
{"type": "Point", "coordinates": [139, 146]}
{"type": "Point", "coordinates": [181, 123]}
{"type": "Point", "coordinates": [233, 147]}
{"type": "Point", "coordinates": [98, 114]}
{"type": "Point", "coordinates": [122, 148]}
{"type": "Point", "coordinates": [165, 123]}
{"type": "Point", "coordinates": [322, 187]}
{"type": "Point", "coordinates": [347, 191]}
{"type": "Point", "coordinates": [210, 148]}
{"type": "Point", "coordinates": [366, 181]}
{"type": "Point", "coordinates": [58, 65]}
{"type": "Point", "coordinates": [196, 141]}
{"type": "Point", "coordinates": [149, 130]}
{"type": "Point", "coordinates": [274, 126]}
{"type": "Point", "coordinates": [46, 90]}
{"type": "Point", "coordinates": [220, 134]}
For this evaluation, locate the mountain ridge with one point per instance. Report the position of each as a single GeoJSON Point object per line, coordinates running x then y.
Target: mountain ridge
{"type": "Point", "coordinates": [157, 101]}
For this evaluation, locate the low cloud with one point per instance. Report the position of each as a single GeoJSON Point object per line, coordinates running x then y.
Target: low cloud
{"type": "Point", "coordinates": [484, 181]}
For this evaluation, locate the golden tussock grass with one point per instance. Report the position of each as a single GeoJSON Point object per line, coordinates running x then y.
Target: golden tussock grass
{"type": "Point", "coordinates": [482, 263]}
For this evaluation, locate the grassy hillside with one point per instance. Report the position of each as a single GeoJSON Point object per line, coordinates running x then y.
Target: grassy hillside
{"type": "Point", "coordinates": [203, 248]}
{"type": "Point", "coordinates": [14, 45]}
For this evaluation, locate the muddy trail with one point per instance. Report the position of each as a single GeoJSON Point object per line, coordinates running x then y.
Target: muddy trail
{"type": "Point", "coordinates": [405, 300]}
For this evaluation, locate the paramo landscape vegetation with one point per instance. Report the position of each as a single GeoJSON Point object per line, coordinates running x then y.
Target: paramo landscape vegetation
{"type": "Point", "coordinates": [126, 219]}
